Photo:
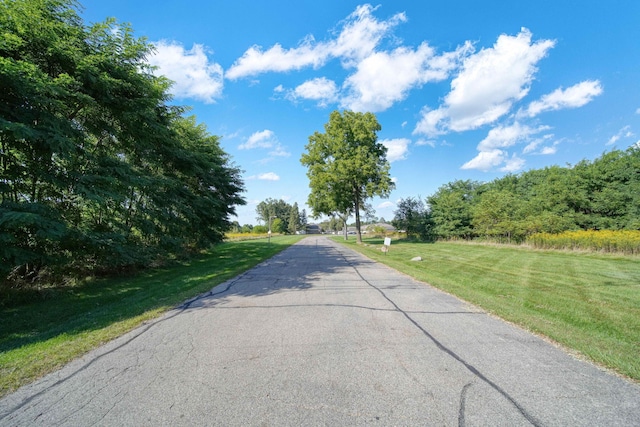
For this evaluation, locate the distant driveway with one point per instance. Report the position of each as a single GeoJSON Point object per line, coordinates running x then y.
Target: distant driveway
{"type": "Point", "coordinates": [320, 335]}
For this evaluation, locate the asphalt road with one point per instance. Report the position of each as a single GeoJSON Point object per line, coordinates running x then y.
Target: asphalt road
{"type": "Point", "coordinates": [320, 335]}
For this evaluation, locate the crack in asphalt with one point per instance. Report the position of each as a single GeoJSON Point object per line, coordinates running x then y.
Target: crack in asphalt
{"type": "Point", "coordinates": [475, 371]}
{"type": "Point", "coordinates": [179, 309]}
{"type": "Point", "coordinates": [213, 293]}
{"type": "Point", "coordinates": [392, 310]}
{"type": "Point", "coordinates": [463, 404]}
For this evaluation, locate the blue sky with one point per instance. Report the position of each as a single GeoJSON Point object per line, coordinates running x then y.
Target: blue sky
{"type": "Point", "coordinates": [462, 89]}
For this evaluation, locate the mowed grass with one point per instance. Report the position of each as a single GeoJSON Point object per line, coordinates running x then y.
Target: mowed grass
{"type": "Point", "coordinates": [43, 335]}
{"type": "Point", "coordinates": [588, 302]}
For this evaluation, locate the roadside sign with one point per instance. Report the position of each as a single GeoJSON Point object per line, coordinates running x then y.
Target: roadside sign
{"type": "Point", "coordinates": [387, 244]}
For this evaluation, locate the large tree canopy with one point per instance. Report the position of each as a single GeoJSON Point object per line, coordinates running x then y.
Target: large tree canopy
{"type": "Point", "coordinates": [599, 194]}
{"type": "Point", "coordinates": [97, 171]}
{"type": "Point", "coordinates": [347, 165]}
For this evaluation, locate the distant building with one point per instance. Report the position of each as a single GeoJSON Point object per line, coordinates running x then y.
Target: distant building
{"type": "Point", "coordinates": [388, 228]}
{"type": "Point", "coordinates": [313, 229]}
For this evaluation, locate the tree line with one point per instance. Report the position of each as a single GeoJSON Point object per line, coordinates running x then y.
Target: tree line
{"type": "Point", "coordinates": [98, 172]}
{"type": "Point", "coordinates": [603, 194]}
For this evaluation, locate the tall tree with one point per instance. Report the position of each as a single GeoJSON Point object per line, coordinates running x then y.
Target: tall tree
{"type": "Point", "coordinates": [347, 165]}
{"type": "Point", "coordinates": [96, 170]}
{"type": "Point", "coordinates": [451, 209]}
{"type": "Point", "coordinates": [412, 217]}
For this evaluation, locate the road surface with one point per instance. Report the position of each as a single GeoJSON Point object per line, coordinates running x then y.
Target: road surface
{"type": "Point", "coordinates": [320, 335]}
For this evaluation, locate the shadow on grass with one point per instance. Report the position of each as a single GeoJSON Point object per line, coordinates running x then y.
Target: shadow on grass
{"type": "Point", "coordinates": [96, 304]}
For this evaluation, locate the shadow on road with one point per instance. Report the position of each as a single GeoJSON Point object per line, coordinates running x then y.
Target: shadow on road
{"type": "Point", "coordinates": [299, 267]}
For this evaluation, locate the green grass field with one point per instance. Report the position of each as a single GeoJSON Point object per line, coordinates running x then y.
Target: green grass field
{"type": "Point", "coordinates": [62, 324]}
{"type": "Point", "coordinates": [588, 302]}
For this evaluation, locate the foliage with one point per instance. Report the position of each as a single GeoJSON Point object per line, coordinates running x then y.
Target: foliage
{"type": "Point", "coordinates": [451, 209]}
{"type": "Point", "coordinates": [260, 229]}
{"type": "Point", "coordinates": [598, 195]}
{"type": "Point", "coordinates": [623, 241]}
{"type": "Point", "coordinates": [97, 171]}
{"type": "Point", "coordinates": [412, 217]}
{"type": "Point", "coordinates": [346, 166]}
{"type": "Point", "coordinates": [587, 302]}
{"type": "Point", "coordinates": [283, 217]}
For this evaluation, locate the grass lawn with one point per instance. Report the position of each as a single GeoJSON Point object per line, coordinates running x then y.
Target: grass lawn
{"type": "Point", "coordinates": [43, 335]}
{"type": "Point", "coordinates": [588, 302]}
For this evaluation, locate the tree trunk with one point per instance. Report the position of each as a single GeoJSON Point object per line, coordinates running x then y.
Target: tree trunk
{"type": "Point", "coordinates": [344, 226]}
{"type": "Point", "coordinates": [358, 234]}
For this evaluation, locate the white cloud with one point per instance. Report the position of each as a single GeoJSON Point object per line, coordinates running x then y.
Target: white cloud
{"type": "Point", "coordinates": [384, 78]}
{"type": "Point", "coordinates": [488, 85]}
{"type": "Point", "coordinates": [485, 160]}
{"type": "Point", "coordinates": [549, 150]}
{"type": "Point", "coordinates": [428, 124]}
{"type": "Point", "coordinates": [255, 61]}
{"type": "Point", "coordinates": [429, 142]}
{"type": "Point", "coordinates": [572, 97]}
{"type": "Point", "coordinates": [533, 145]}
{"type": "Point", "coordinates": [265, 139]}
{"type": "Point", "coordinates": [387, 204]}
{"type": "Point", "coordinates": [262, 139]}
{"type": "Point", "coordinates": [491, 149]}
{"type": "Point", "coordinates": [279, 151]}
{"type": "Point", "coordinates": [190, 70]}
{"type": "Point", "coordinates": [320, 89]}
{"type": "Point", "coordinates": [638, 111]}
{"type": "Point", "coordinates": [269, 176]}
{"type": "Point", "coordinates": [359, 36]}
{"type": "Point", "coordinates": [625, 132]}
{"type": "Point", "coordinates": [506, 136]}
{"type": "Point", "coordinates": [397, 149]}
{"type": "Point", "coordinates": [514, 164]}
{"type": "Point", "coordinates": [381, 78]}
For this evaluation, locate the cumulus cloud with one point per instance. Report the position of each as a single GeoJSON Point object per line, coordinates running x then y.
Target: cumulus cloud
{"type": "Point", "coordinates": [262, 139]}
{"type": "Point", "coordinates": [384, 78]}
{"type": "Point", "coordinates": [549, 150]}
{"type": "Point", "coordinates": [625, 132]}
{"type": "Point", "coordinates": [507, 136]}
{"type": "Point", "coordinates": [190, 70]}
{"type": "Point", "coordinates": [380, 77]}
{"type": "Point", "coordinates": [319, 89]}
{"type": "Point", "coordinates": [265, 139]}
{"type": "Point", "coordinates": [572, 97]}
{"type": "Point", "coordinates": [532, 146]}
{"type": "Point", "coordinates": [359, 36]}
{"type": "Point", "coordinates": [513, 164]}
{"type": "Point", "coordinates": [492, 149]}
{"type": "Point", "coordinates": [487, 86]}
{"type": "Point", "coordinates": [486, 160]}
{"type": "Point", "coordinates": [397, 149]}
